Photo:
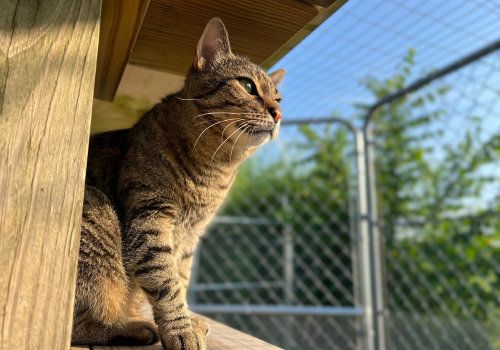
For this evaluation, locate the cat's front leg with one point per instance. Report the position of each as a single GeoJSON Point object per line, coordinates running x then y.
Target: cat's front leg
{"type": "Point", "coordinates": [150, 252]}
{"type": "Point", "coordinates": [185, 264]}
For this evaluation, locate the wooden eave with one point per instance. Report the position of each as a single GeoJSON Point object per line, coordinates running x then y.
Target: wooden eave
{"type": "Point", "coordinates": [162, 34]}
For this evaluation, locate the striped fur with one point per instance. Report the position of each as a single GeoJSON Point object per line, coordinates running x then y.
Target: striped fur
{"type": "Point", "coordinates": [151, 191]}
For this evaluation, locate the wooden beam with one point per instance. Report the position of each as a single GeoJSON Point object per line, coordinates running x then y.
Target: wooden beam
{"type": "Point", "coordinates": [221, 337]}
{"type": "Point", "coordinates": [48, 53]}
{"type": "Point", "coordinates": [322, 3]}
{"type": "Point", "coordinates": [257, 28]}
{"type": "Point", "coordinates": [323, 15]}
{"type": "Point", "coordinates": [120, 24]}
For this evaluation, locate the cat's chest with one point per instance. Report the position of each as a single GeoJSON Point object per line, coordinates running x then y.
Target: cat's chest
{"type": "Point", "coordinates": [199, 208]}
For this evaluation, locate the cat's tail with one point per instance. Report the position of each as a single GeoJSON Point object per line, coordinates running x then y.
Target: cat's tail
{"type": "Point", "coordinates": [103, 296]}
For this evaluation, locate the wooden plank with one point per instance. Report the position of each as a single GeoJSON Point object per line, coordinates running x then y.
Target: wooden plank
{"type": "Point", "coordinates": [322, 3]}
{"type": "Point", "coordinates": [257, 29]}
{"type": "Point", "coordinates": [323, 15]}
{"type": "Point", "coordinates": [221, 337]}
{"type": "Point", "coordinates": [117, 347]}
{"type": "Point", "coordinates": [120, 24]}
{"type": "Point", "coordinates": [48, 53]}
{"type": "Point", "coordinates": [146, 86]}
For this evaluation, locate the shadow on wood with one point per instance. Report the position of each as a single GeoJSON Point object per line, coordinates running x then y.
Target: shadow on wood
{"type": "Point", "coordinates": [220, 338]}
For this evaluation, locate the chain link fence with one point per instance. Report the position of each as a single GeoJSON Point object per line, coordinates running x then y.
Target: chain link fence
{"type": "Point", "coordinates": [285, 237]}
{"type": "Point", "coordinates": [289, 232]}
{"type": "Point", "coordinates": [316, 249]}
{"type": "Point", "coordinates": [438, 164]}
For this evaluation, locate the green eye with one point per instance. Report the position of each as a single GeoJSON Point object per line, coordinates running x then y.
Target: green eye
{"type": "Point", "coordinates": [248, 86]}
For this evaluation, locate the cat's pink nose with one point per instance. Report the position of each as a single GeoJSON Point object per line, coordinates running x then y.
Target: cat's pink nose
{"type": "Point", "coordinates": [276, 114]}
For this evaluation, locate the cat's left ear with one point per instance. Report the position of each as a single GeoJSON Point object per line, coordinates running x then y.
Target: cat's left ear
{"type": "Point", "coordinates": [277, 76]}
{"type": "Point", "coordinates": [214, 42]}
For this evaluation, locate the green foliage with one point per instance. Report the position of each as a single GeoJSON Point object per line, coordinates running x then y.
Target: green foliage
{"type": "Point", "coordinates": [122, 113]}
{"type": "Point", "coordinates": [426, 185]}
{"type": "Point", "coordinates": [441, 250]}
{"type": "Point", "coordinates": [315, 183]}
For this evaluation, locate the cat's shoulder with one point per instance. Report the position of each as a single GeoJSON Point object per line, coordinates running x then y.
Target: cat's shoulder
{"type": "Point", "coordinates": [108, 145]}
{"type": "Point", "coordinates": [110, 139]}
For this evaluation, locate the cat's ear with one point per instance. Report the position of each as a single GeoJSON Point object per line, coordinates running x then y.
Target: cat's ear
{"type": "Point", "coordinates": [277, 76]}
{"type": "Point", "coordinates": [214, 42]}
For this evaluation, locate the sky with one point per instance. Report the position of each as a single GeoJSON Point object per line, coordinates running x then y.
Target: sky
{"type": "Point", "coordinates": [370, 38]}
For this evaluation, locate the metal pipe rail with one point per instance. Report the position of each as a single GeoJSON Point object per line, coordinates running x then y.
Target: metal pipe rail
{"type": "Point", "coordinates": [279, 310]}
{"type": "Point", "coordinates": [379, 320]}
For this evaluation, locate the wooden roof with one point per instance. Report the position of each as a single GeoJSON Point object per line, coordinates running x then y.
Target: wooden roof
{"type": "Point", "coordinates": [162, 34]}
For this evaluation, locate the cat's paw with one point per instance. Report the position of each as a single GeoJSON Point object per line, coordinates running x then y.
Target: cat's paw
{"type": "Point", "coordinates": [192, 338]}
{"type": "Point", "coordinates": [200, 323]}
{"type": "Point", "coordinates": [137, 333]}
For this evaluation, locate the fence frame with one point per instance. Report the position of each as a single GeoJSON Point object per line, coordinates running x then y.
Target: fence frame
{"type": "Point", "coordinates": [365, 339]}
{"type": "Point", "coordinates": [373, 310]}
{"type": "Point", "coordinates": [379, 290]}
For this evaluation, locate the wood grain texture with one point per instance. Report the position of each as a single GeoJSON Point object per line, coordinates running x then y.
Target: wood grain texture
{"type": "Point", "coordinates": [300, 35]}
{"type": "Point", "coordinates": [257, 29]}
{"type": "Point", "coordinates": [322, 3]}
{"type": "Point", "coordinates": [221, 337]}
{"type": "Point", "coordinates": [48, 53]}
{"type": "Point", "coordinates": [120, 24]}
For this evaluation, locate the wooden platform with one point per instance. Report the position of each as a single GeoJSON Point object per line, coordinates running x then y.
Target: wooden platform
{"type": "Point", "coordinates": [220, 338]}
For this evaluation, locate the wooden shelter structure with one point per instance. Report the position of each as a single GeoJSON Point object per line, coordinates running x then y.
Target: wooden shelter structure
{"type": "Point", "coordinates": [55, 56]}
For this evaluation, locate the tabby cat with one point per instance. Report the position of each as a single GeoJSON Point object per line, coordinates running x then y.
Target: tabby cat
{"type": "Point", "coordinates": [151, 190]}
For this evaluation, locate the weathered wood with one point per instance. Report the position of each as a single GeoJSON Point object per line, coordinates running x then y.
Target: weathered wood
{"type": "Point", "coordinates": [120, 24]}
{"type": "Point", "coordinates": [322, 3]}
{"type": "Point", "coordinates": [146, 347]}
{"type": "Point", "coordinates": [220, 338]}
{"type": "Point", "coordinates": [257, 28]}
{"type": "Point", "coordinates": [263, 30]}
{"type": "Point", "coordinates": [48, 51]}
{"type": "Point", "coordinates": [300, 35]}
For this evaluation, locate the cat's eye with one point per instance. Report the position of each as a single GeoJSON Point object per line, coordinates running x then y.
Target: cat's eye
{"type": "Point", "coordinates": [278, 100]}
{"type": "Point", "coordinates": [248, 86]}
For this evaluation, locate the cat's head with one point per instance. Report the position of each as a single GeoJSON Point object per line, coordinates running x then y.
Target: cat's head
{"type": "Point", "coordinates": [232, 91]}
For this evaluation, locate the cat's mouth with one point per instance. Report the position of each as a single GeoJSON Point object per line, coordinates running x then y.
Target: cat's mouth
{"type": "Point", "coordinates": [263, 131]}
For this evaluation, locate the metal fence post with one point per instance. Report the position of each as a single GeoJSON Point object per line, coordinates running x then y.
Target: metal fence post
{"type": "Point", "coordinates": [380, 311]}
{"type": "Point", "coordinates": [364, 244]}
{"type": "Point", "coordinates": [354, 230]}
{"type": "Point", "coordinates": [375, 254]}
{"type": "Point", "coordinates": [364, 241]}
{"type": "Point", "coordinates": [288, 252]}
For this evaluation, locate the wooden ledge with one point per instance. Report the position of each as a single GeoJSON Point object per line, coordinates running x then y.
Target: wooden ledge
{"type": "Point", "coordinates": [221, 337]}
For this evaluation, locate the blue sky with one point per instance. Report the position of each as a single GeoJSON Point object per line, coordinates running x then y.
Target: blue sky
{"type": "Point", "coordinates": [370, 38]}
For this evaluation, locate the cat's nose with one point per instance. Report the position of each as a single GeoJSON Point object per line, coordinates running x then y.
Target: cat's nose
{"type": "Point", "coordinates": [276, 114]}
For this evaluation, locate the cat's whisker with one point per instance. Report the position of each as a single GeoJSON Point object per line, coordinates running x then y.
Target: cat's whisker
{"type": "Point", "coordinates": [218, 113]}
{"type": "Point", "coordinates": [222, 135]}
{"type": "Point", "coordinates": [188, 99]}
{"type": "Point", "coordinates": [212, 120]}
{"type": "Point", "coordinates": [223, 144]}
{"type": "Point", "coordinates": [207, 129]}
{"type": "Point", "coordinates": [248, 125]}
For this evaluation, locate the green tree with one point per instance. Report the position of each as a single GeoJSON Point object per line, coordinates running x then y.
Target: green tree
{"type": "Point", "coordinates": [437, 250]}
{"type": "Point", "coordinates": [442, 253]}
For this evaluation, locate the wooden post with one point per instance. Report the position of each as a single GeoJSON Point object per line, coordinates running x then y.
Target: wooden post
{"type": "Point", "coordinates": [48, 51]}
